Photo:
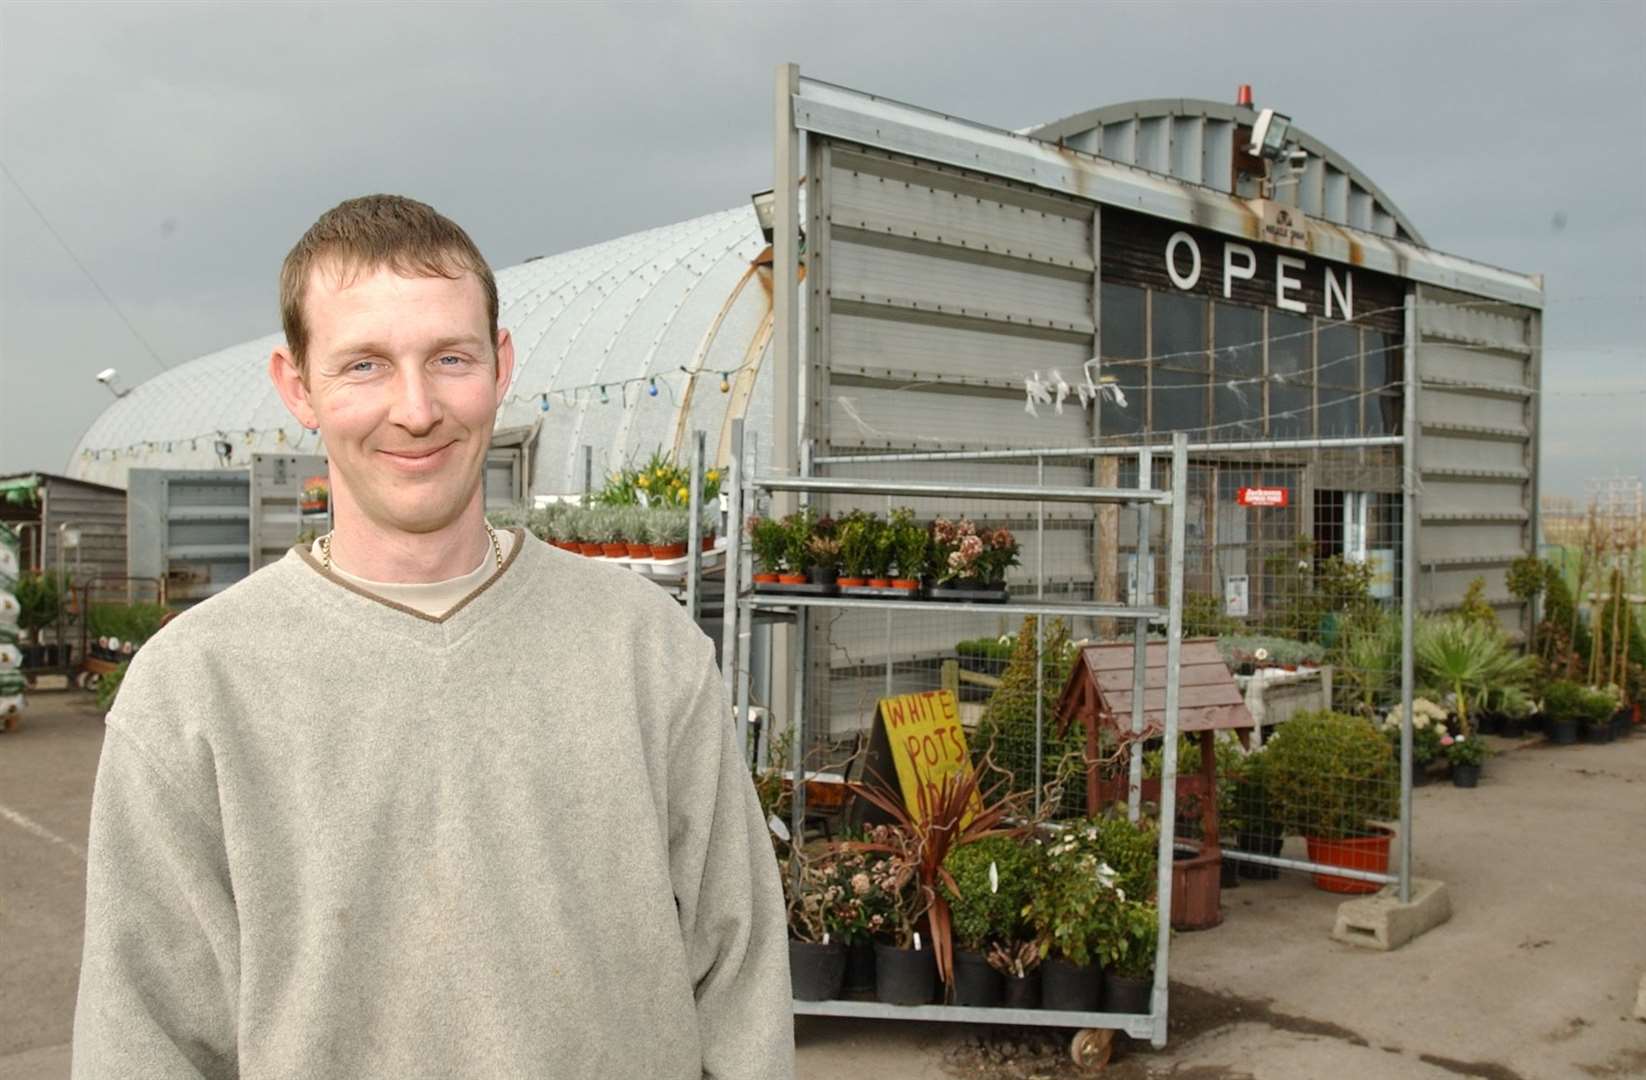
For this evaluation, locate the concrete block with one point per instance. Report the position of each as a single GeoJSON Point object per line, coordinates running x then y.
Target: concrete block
{"type": "Point", "coordinates": [1383, 922]}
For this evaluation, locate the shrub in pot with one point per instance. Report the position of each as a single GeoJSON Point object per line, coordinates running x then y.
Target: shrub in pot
{"type": "Point", "coordinates": [1070, 909]}
{"type": "Point", "coordinates": [1332, 775]}
{"type": "Point", "coordinates": [824, 552]}
{"type": "Point", "coordinates": [1128, 958]}
{"type": "Point", "coordinates": [768, 540]}
{"type": "Point", "coordinates": [1257, 828]}
{"type": "Point", "coordinates": [910, 544]}
{"type": "Point", "coordinates": [882, 555]}
{"type": "Point", "coordinates": [1598, 706]}
{"type": "Point", "coordinates": [817, 959]}
{"type": "Point", "coordinates": [991, 882]}
{"type": "Point", "coordinates": [670, 527]}
{"type": "Point", "coordinates": [857, 534]}
{"type": "Point", "coordinates": [797, 538]}
{"type": "Point", "coordinates": [1564, 705]}
{"type": "Point", "coordinates": [1467, 753]}
{"type": "Point", "coordinates": [1468, 657]}
{"type": "Point", "coordinates": [1428, 728]}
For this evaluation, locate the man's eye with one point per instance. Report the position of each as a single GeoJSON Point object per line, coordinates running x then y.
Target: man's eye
{"type": "Point", "coordinates": [452, 361]}
{"type": "Point", "coordinates": [362, 366]}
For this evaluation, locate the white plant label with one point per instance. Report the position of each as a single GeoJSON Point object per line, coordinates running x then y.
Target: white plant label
{"type": "Point", "coordinates": [779, 830]}
{"type": "Point", "coordinates": [917, 941]}
{"type": "Point", "coordinates": [994, 878]}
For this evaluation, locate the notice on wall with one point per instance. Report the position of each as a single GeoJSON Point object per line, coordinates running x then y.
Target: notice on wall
{"type": "Point", "coordinates": [927, 744]}
{"type": "Point", "coordinates": [1263, 496]}
{"type": "Point", "coordinates": [1237, 595]}
{"type": "Point", "coordinates": [1382, 563]}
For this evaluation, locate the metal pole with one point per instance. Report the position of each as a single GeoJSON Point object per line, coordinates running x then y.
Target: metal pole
{"type": "Point", "coordinates": [694, 529]}
{"type": "Point", "coordinates": [1168, 767]}
{"type": "Point", "coordinates": [1140, 637]}
{"type": "Point", "coordinates": [732, 568]}
{"type": "Point", "coordinates": [1039, 635]}
{"type": "Point", "coordinates": [1408, 588]}
{"type": "Point", "coordinates": [588, 472]}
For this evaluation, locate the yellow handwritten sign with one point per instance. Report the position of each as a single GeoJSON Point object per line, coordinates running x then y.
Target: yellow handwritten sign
{"type": "Point", "coordinates": [927, 744]}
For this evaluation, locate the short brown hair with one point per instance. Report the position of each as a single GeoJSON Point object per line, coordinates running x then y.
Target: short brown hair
{"type": "Point", "coordinates": [371, 232]}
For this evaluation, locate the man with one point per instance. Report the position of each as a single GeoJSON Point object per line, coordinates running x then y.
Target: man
{"type": "Point", "coordinates": [426, 800]}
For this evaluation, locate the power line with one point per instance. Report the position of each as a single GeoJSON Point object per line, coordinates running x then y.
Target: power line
{"type": "Point", "coordinates": [153, 355]}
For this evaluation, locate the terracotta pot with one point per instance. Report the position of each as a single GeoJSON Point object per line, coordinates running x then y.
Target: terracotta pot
{"type": "Point", "coordinates": [640, 551]}
{"type": "Point", "coordinates": [592, 550]}
{"type": "Point", "coordinates": [765, 579]}
{"type": "Point", "coordinates": [851, 582]}
{"type": "Point", "coordinates": [668, 551]}
{"type": "Point", "coordinates": [1355, 853]}
{"type": "Point", "coordinates": [792, 579]}
{"type": "Point", "coordinates": [907, 584]}
{"type": "Point", "coordinates": [616, 550]}
{"type": "Point", "coordinates": [311, 505]}
{"type": "Point", "coordinates": [880, 583]}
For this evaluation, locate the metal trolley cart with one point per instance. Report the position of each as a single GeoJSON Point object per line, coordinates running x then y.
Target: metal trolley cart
{"type": "Point", "coordinates": [1092, 1042]}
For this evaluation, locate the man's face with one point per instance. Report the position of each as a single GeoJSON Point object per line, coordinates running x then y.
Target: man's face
{"type": "Point", "coordinates": [404, 384]}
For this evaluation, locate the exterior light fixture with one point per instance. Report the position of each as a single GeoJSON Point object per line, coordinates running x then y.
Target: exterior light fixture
{"type": "Point", "coordinates": [765, 209]}
{"type": "Point", "coordinates": [725, 384]}
{"type": "Point", "coordinates": [1269, 135]}
{"type": "Point", "coordinates": [651, 387]}
{"type": "Point", "coordinates": [107, 377]}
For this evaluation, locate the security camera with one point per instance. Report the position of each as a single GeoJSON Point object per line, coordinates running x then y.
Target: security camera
{"type": "Point", "coordinates": [1297, 157]}
{"type": "Point", "coordinates": [106, 376]}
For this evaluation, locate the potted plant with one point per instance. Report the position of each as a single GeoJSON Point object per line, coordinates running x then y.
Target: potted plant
{"type": "Point", "coordinates": [1019, 965]}
{"type": "Point", "coordinates": [1071, 906]}
{"type": "Point", "coordinates": [1467, 657]}
{"type": "Point", "coordinates": [797, 538]}
{"type": "Point", "coordinates": [1333, 776]}
{"type": "Point", "coordinates": [882, 554]}
{"type": "Point", "coordinates": [1000, 551]}
{"type": "Point", "coordinates": [1466, 753]}
{"type": "Point", "coordinates": [824, 552]}
{"type": "Point", "coordinates": [856, 534]}
{"type": "Point", "coordinates": [564, 530]}
{"type": "Point", "coordinates": [1258, 829]}
{"type": "Point", "coordinates": [767, 540]}
{"type": "Point", "coordinates": [910, 542]}
{"type": "Point", "coordinates": [634, 531]}
{"type": "Point", "coordinates": [670, 528]}
{"type": "Point", "coordinates": [817, 958]}
{"type": "Point", "coordinates": [1428, 727]}
{"type": "Point", "coordinates": [864, 913]}
{"type": "Point", "coordinates": [1599, 705]}
{"type": "Point", "coordinates": [39, 600]}
{"type": "Point", "coordinates": [1128, 958]}
{"type": "Point", "coordinates": [991, 878]}
{"type": "Point", "coordinates": [1563, 704]}
{"type": "Point", "coordinates": [316, 495]}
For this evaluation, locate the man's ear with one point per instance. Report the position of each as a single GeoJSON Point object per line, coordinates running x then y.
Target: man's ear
{"type": "Point", "coordinates": [292, 386]}
{"type": "Point", "coordinates": [505, 364]}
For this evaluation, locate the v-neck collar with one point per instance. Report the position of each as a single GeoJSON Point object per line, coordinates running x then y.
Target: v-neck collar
{"type": "Point", "coordinates": [307, 556]}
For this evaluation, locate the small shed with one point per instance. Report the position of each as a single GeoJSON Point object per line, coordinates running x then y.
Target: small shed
{"type": "Point", "coordinates": [1099, 696]}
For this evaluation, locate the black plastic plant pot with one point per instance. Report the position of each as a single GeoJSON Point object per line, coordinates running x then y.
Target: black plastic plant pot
{"type": "Point", "coordinates": [822, 575]}
{"type": "Point", "coordinates": [1562, 732]}
{"type": "Point", "coordinates": [1420, 774]}
{"type": "Point", "coordinates": [1491, 724]}
{"type": "Point", "coordinates": [1068, 987]}
{"type": "Point", "coordinates": [1465, 775]}
{"type": "Point", "coordinates": [904, 976]}
{"type": "Point", "coordinates": [1598, 733]}
{"type": "Point", "coordinates": [1127, 993]}
{"type": "Point", "coordinates": [1021, 993]}
{"type": "Point", "coordinates": [1620, 723]}
{"type": "Point", "coordinates": [816, 972]}
{"type": "Point", "coordinates": [860, 967]}
{"type": "Point", "coordinates": [975, 982]}
{"type": "Point", "coordinates": [1229, 875]}
{"type": "Point", "coordinates": [1514, 727]}
{"type": "Point", "coordinates": [1259, 844]}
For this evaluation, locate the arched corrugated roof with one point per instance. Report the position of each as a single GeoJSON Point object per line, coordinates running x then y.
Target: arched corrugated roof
{"type": "Point", "coordinates": [613, 315]}
{"type": "Point", "coordinates": [1193, 140]}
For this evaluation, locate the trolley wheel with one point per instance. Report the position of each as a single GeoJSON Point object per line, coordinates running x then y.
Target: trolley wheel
{"type": "Point", "coordinates": [1091, 1048]}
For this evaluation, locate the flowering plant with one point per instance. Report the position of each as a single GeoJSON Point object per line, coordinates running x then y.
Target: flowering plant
{"type": "Point", "coordinates": [963, 552]}
{"type": "Point", "coordinates": [1464, 749]}
{"type": "Point", "coordinates": [1075, 902]}
{"type": "Point", "coordinates": [1428, 729]}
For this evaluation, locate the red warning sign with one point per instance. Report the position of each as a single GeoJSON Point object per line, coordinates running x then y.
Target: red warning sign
{"type": "Point", "coordinates": [1263, 496]}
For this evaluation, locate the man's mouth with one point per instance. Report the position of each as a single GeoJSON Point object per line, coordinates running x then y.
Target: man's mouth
{"type": "Point", "coordinates": [417, 459]}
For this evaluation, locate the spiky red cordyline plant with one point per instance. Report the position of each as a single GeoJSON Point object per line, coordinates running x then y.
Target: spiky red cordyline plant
{"type": "Point", "coordinates": [924, 840]}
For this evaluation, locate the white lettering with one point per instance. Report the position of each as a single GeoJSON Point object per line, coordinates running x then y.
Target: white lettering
{"type": "Point", "coordinates": [1345, 293]}
{"type": "Point", "coordinates": [1181, 281]}
{"type": "Point", "coordinates": [1231, 271]}
{"type": "Point", "coordinates": [1284, 283]}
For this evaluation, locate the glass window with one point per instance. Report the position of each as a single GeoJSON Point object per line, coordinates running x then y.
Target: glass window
{"type": "Point", "coordinates": [1339, 412]}
{"type": "Point", "coordinates": [1237, 410]}
{"type": "Point", "coordinates": [1290, 410]}
{"type": "Point", "coordinates": [1178, 331]}
{"type": "Point", "coordinates": [1383, 414]}
{"type": "Point", "coordinates": [1115, 419]}
{"type": "Point", "coordinates": [1383, 359]}
{"type": "Point", "coordinates": [1291, 345]}
{"type": "Point", "coordinates": [1123, 322]}
{"type": "Point", "coordinates": [1339, 356]}
{"type": "Point", "coordinates": [1177, 401]}
{"type": "Point", "coordinates": [1238, 337]}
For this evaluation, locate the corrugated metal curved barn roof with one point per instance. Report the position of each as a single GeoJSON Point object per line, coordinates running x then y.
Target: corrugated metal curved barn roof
{"type": "Point", "coordinates": [595, 329]}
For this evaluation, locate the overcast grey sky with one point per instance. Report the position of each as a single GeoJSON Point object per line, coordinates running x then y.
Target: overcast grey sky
{"type": "Point", "coordinates": [180, 149]}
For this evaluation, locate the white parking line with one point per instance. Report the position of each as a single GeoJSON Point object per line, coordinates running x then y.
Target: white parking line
{"type": "Point", "coordinates": [28, 824]}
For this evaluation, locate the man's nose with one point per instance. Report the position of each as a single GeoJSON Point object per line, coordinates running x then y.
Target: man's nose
{"type": "Point", "coordinates": [416, 406]}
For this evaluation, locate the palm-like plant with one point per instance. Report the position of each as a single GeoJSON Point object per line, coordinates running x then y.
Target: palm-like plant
{"type": "Point", "coordinates": [959, 812]}
{"type": "Point", "coordinates": [1468, 658]}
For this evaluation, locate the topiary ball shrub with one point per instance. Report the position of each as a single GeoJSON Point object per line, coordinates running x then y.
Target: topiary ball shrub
{"type": "Point", "coordinates": [1330, 775]}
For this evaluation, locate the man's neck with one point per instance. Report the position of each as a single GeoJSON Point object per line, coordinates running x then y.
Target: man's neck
{"type": "Point", "coordinates": [365, 550]}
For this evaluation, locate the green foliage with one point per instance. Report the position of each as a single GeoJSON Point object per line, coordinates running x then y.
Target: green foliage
{"type": "Point", "coordinates": [1563, 639]}
{"type": "Point", "coordinates": [1253, 811]}
{"type": "Point", "coordinates": [997, 649]}
{"type": "Point", "coordinates": [1466, 749]}
{"type": "Point", "coordinates": [1007, 724]}
{"type": "Point", "coordinates": [135, 623]}
{"type": "Point", "coordinates": [1468, 658]}
{"type": "Point", "coordinates": [859, 535]}
{"type": "Point", "coordinates": [797, 538]}
{"type": "Point", "coordinates": [1526, 578]}
{"type": "Point", "coordinates": [1129, 949]}
{"type": "Point", "coordinates": [1367, 661]}
{"type": "Point", "coordinates": [1563, 700]}
{"type": "Point", "coordinates": [1132, 851]}
{"type": "Point", "coordinates": [769, 540]}
{"type": "Point", "coordinates": [1072, 907]}
{"type": "Point", "coordinates": [39, 600]}
{"type": "Point", "coordinates": [911, 543]}
{"type": "Point", "coordinates": [1330, 775]}
{"type": "Point", "coordinates": [1308, 596]}
{"type": "Point", "coordinates": [1203, 616]}
{"type": "Point", "coordinates": [1475, 608]}
{"type": "Point", "coordinates": [982, 911]}
{"type": "Point", "coordinates": [1239, 649]}
{"type": "Point", "coordinates": [108, 686]}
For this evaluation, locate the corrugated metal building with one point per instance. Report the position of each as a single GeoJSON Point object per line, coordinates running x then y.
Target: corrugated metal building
{"type": "Point", "coordinates": [942, 280]}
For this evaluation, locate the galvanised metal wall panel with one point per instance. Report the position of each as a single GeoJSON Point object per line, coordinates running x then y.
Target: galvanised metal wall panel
{"type": "Point", "coordinates": [99, 515]}
{"type": "Point", "coordinates": [865, 343]}
{"type": "Point", "coordinates": [1477, 446]}
{"type": "Point", "coordinates": [931, 276]}
{"type": "Point", "coordinates": [276, 490]}
{"type": "Point", "coordinates": [891, 417]}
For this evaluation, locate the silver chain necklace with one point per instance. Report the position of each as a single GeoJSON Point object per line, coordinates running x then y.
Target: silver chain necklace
{"type": "Point", "coordinates": [497, 547]}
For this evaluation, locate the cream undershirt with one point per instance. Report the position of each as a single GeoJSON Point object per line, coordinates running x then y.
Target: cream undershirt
{"type": "Point", "coordinates": [433, 598]}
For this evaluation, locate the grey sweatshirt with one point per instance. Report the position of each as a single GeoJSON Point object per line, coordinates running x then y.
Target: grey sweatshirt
{"type": "Point", "coordinates": [335, 837]}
